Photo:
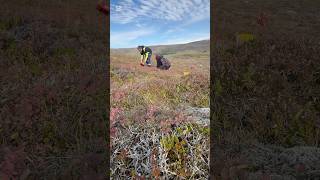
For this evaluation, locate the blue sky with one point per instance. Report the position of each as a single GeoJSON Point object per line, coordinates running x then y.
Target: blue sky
{"type": "Point", "coordinates": [156, 22]}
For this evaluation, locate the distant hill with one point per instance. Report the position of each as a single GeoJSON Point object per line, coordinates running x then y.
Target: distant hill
{"type": "Point", "coordinates": [202, 46]}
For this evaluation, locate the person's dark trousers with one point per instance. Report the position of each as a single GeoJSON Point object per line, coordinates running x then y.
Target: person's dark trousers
{"type": "Point", "coordinates": [149, 59]}
{"type": "Point", "coordinates": [159, 63]}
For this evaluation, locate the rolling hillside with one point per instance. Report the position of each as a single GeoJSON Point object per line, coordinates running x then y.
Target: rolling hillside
{"type": "Point", "coordinates": [197, 46]}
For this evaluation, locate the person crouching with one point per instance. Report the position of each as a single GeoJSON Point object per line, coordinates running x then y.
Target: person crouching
{"type": "Point", "coordinates": [146, 54]}
{"type": "Point", "coordinates": [162, 62]}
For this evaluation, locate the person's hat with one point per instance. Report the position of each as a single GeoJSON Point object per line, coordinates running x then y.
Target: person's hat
{"type": "Point", "coordinates": [140, 47]}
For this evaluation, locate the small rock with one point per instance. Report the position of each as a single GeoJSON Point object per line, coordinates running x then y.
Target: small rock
{"type": "Point", "coordinates": [199, 115]}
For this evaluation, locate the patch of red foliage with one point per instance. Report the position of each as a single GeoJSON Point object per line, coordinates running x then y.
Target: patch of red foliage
{"type": "Point", "coordinates": [262, 19]}
{"type": "Point", "coordinates": [116, 120]}
{"type": "Point", "coordinates": [102, 7]}
{"type": "Point", "coordinates": [13, 165]}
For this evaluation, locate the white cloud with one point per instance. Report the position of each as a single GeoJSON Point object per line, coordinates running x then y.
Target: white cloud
{"type": "Point", "coordinates": [171, 10]}
{"type": "Point", "coordinates": [175, 29]}
{"type": "Point", "coordinates": [125, 38]}
{"type": "Point", "coordinates": [190, 38]}
{"type": "Point", "coordinates": [139, 25]}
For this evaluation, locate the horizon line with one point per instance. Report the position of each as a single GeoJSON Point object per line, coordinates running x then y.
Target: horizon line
{"type": "Point", "coordinates": [164, 44]}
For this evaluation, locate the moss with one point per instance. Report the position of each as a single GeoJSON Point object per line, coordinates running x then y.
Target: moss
{"type": "Point", "coordinates": [70, 52]}
{"type": "Point", "coordinates": [245, 37]}
{"type": "Point", "coordinates": [217, 87]}
{"type": "Point", "coordinates": [8, 23]}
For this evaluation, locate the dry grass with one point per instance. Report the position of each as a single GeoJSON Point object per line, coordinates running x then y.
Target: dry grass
{"type": "Point", "coordinates": [265, 86]}
{"type": "Point", "coordinates": [150, 136]}
{"type": "Point", "coordinates": [143, 151]}
{"type": "Point", "coordinates": [269, 91]}
{"type": "Point", "coordinates": [53, 90]}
